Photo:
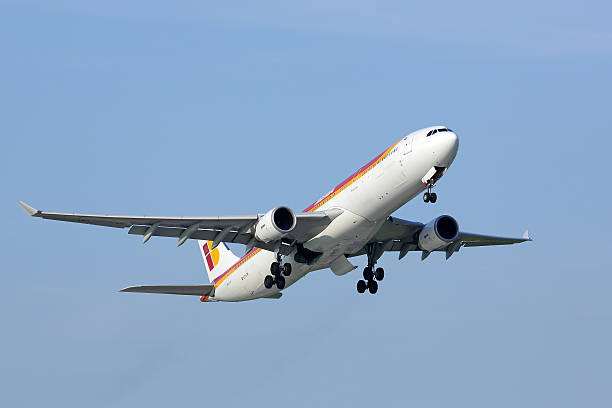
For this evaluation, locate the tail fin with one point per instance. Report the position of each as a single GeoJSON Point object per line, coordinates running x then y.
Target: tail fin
{"type": "Point", "coordinates": [217, 260]}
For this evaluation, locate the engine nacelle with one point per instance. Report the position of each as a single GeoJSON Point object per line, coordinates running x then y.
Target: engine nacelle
{"type": "Point", "coordinates": [275, 224]}
{"type": "Point", "coordinates": [438, 233]}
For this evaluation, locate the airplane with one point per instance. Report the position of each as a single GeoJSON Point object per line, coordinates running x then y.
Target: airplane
{"type": "Point", "coordinates": [351, 220]}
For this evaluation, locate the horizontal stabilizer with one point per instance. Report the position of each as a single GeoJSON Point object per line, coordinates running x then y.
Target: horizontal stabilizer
{"type": "Point", "coordinates": [195, 290]}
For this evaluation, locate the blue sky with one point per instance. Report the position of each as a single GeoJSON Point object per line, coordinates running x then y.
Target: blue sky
{"type": "Point", "coordinates": [188, 108]}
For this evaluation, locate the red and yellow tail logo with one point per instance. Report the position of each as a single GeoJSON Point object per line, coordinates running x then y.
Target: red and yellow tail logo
{"type": "Point", "coordinates": [212, 257]}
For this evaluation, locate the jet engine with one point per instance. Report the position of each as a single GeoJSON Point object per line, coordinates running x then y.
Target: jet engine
{"type": "Point", "coordinates": [275, 224]}
{"type": "Point", "coordinates": [438, 233]}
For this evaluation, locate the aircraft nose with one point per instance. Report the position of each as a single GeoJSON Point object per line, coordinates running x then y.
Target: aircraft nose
{"type": "Point", "coordinates": [453, 141]}
{"type": "Point", "coordinates": [449, 145]}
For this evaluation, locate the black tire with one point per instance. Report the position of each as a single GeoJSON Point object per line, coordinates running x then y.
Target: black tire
{"type": "Point", "coordinates": [275, 268]}
{"type": "Point", "coordinates": [373, 286]}
{"type": "Point", "coordinates": [361, 286]}
{"type": "Point", "coordinates": [433, 197]}
{"type": "Point", "coordinates": [268, 281]}
{"type": "Point", "coordinates": [367, 273]}
{"type": "Point", "coordinates": [280, 282]}
{"type": "Point", "coordinates": [379, 274]}
{"type": "Point", "coordinates": [426, 197]}
{"type": "Point", "coordinates": [287, 269]}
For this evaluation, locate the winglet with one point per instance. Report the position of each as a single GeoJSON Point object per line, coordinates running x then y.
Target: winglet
{"type": "Point", "coordinates": [30, 210]}
{"type": "Point", "coordinates": [526, 235]}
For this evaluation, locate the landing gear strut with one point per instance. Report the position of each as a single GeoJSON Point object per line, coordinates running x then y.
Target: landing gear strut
{"type": "Point", "coordinates": [277, 269]}
{"type": "Point", "coordinates": [371, 275]}
{"type": "Point", "coordinates": [430, 197]}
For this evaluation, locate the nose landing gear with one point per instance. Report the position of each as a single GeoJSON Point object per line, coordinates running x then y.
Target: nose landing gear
{"type": "Point", "coordinates": [277, 270]}
{"type": "Point", "coordinates": [430, 197]}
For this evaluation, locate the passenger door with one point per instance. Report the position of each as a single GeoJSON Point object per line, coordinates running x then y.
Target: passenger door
{"type": "Point", "coordinates": [406, 154]}
{"type": "Point", "coordinates": [407, 145]}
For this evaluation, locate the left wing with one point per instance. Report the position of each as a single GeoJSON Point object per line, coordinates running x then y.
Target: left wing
{"type": "Point", "coordinates": [196, 290]}
{"type": "Point", "coordinates": [403, 236]}
{"type": "Point", "coordinates": [236, 229]}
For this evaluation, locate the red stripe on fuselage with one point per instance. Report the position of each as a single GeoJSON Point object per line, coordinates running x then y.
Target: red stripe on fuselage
{"type": "Point", "coordinates": [349, 179]}
{"type": "Point", "coordinates": [235, 266]}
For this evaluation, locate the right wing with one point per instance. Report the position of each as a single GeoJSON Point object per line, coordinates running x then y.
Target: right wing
{"type": "Point", "coordinates": [469, 239]}
{"type": "Point", "coordinates": [402, 236]}
{"type": "Point", "coordinates": [236, 229]}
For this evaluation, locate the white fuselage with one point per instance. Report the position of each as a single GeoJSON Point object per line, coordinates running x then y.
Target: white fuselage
{"type": "Point", "coordinates": [366, 199]}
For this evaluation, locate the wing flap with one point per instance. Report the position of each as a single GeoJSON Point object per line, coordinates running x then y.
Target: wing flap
{"type": "Point", "coordinates": [195, 290]}
{"type": "Point", "coordinates": [204, 235]}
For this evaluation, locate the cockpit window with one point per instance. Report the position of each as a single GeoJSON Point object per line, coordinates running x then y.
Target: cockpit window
{"type": "Point", "coordinates": [434, 131]}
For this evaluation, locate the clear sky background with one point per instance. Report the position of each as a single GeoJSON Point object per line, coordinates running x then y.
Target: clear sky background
{"type": "Point", "coordinates": [189, 108]}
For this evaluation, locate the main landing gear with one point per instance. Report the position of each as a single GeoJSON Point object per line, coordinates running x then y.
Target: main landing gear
{"type": "Point", "coordinates": [368, 281]}
{"type": "Point", "coordinates": [371, 276]}
{"type": "Point", "coordinates": [277, 270]}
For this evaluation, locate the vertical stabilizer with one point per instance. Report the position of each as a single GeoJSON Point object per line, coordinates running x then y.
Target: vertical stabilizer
{"type": "Point", "coordinates": [216, 260]}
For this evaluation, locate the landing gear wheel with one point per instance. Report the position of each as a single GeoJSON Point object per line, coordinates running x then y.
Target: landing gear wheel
{"type": "Point", "coordinates": [275, 268]}
{"type": "Point", "coordinates": [426, 197]}
{"type": "Point", "coordinates": [361, 286]}
{"type": "Point", "coordinates": [373, 286]}
{"type": "Point", "coordinates": [367, 273]}
{"type": "Point", "coordinates": [268, 281]}
{"type": "Point", "coordinates": [379, 274]}
{"type": "Point", "coordinates": [287, 269]}
{"type": "Point", "coordinates": [433, 197]}
{"type": "Point", "coordinates": [280, 282]}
